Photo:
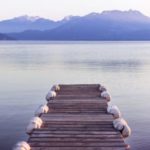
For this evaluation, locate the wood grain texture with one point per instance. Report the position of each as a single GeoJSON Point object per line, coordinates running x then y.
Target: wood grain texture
{"type": "Point", "coordinates": [77, 120]}
{"type": "Point", "coordinates": [79, 148]}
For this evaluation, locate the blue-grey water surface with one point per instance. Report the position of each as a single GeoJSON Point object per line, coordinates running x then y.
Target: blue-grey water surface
{"type": "Point", "coordinates": [29, 69]}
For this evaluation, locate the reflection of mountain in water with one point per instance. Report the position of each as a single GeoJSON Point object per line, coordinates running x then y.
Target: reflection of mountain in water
{"type": "Point", "coordinates": [36, 59]}
{"type": "Point", "coordinates": [109, 57]}
{"type": "Point", "coordinates": [26, 59]}
{"type": "Point", "coordinates": [108, 65]}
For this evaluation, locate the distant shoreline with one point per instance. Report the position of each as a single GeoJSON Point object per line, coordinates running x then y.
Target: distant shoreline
{"type": "Point", "coordinates": [73, 41]}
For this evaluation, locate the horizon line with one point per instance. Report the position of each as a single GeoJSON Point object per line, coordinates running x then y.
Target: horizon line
{"type": "Point", "coordinates": [71, 15]}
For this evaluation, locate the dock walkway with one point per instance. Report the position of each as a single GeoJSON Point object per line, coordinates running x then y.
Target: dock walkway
{"type": "Point", "coordinates": [77, 120]}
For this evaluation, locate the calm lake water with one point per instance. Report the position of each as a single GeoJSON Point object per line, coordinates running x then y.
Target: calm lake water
{"type": "Point", "coordinates": [29, 69]}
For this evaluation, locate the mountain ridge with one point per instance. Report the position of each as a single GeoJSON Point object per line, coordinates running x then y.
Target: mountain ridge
{"type": "Point", "coordinates": [4, 37]}
{"type": "Point", "coordinates": [108, 25]}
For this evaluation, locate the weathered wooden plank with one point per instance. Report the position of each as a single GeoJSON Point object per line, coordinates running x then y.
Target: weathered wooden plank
{"type": "Point", "coordinates": [58, 117]}
{"type": "Point", "coordinates": [79, 116]}
{"type": "Point", "coordinates": [59, 97]}
{"type": "Point", "coordinates": [75, 136]}
{"type": "Point", "coordinates": [49, 119]}
{"type": "Point", "coordinates": [39, 132]}
{"type": "Point", "coordinates": [78, 125]}
{"type": "Point", "coordinates": [77, 108]}
{"type": "Point", "coordinates": [62, 86]}
{"type": "Point", "coordinates": [78, 93]}
{"type": "Point", "coordinates": [77, 120]}
{"type": "Point", "coordinates": [98, 111]}
{"type": "Point", "coordinates": [81, 110]}
{"type": "Point", "coordinates": [73, 139]}
{"type": "Point", "coordinates": [56, 102]}
{"type": "Point", "coordinates": [73, 144]}
{"type": "Point", "coordinates": [72, 101]}
{"type": "Point", "coordinates": [78, 98]}
{"type": "Point", "coordinates": [79, 88]}
{"type": "Point", "coordinates": [79, 148]}
{"type": "Point", "coordinates": [74, 107]}
{"type": "Point", "coordinates": [76, 129]}
{"type": "Point", "coordinates": [77, 105]}
{"type": "Point", "coordinates": [78, 111]}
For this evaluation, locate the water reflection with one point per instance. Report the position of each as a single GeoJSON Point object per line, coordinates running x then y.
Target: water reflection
{"type": "Point", "coordinates": [47, 56]}
{"type": "Point", "coordinates": [27, 70]}
{"type": "Point", "coordinates": [109, 65]}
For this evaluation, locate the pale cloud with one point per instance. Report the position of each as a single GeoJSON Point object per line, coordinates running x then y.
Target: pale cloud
{"type": "Point", "coordinates": [57, 9]}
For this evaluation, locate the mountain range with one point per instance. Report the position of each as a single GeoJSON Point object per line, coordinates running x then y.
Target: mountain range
{"type": "Point", "coordinates": [108, 25]}
{"type": "Point", "coordinates": [5, 37]}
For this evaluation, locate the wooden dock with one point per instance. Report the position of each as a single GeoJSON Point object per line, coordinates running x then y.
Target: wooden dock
{"type": "Point", "coordinates": [77, 120]}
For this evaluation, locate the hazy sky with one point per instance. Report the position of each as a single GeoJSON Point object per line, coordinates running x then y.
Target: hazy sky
{"type": "Point", "coordinates": [57, 9]}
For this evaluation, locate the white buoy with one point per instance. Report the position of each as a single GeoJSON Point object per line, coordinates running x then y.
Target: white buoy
{"type": "Point", "coordinates": [36, 119]}
{"type": "Point", "coordinates": [55, 88]}
{"type": "Point", "coordinates": [43, 109]}
{"type": "Point", "coordinates": [102, 88]}
{"type": "Point", "coordinates": [22, 146]}
{"type": "Point", "coordinates": [114, 110]}
{"type": "Point", "coordinates": [50, 95]}
{"type": "Point", "coordinates": [35, 123]}
{"type": "Point", "coordinates": [126, 131]}
{"type": "Point", "coordinates": [106, 95]}
{"type": "Point", "coordinates": [121, 125]}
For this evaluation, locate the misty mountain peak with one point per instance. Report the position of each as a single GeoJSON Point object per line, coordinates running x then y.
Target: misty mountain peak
{"type": "Point", "coordinates": [67, 18]}
{"type": "Point", "coordinates": [93, 20]}
{"type": "Point", "coordinates": [27, 18]}
{"type": "Point", "coordinates": [130, 15]}
{"type": "Point", "coordinates": [119, 12]}
{"type": "Point", "coordinates": [93, 14]}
